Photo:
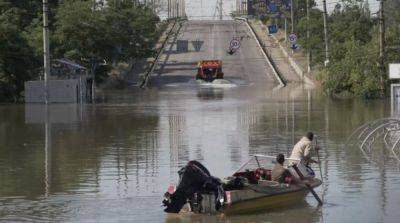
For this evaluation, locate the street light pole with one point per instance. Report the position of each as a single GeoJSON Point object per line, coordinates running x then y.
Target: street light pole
{"type": "Point", "coordinates": [292, 16]}
{"type": "Point", "coordinates": [46, 50]}
{"type": "Point", "coordinates": [177, 8]}
{"type": "Point", "coordinates": [326, 34]}
{"type": "Point", "coordinates": [169, 9]}
{"type": "Point", "coordinates": [285, 29]}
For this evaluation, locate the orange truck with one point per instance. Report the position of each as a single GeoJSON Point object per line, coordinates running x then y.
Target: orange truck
{"type": "Point", "coordinates": [209, 70]}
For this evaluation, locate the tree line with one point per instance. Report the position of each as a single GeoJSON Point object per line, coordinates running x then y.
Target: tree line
{"type": "Point", "coordinates": [353, 33]}
{"type": "Point", "coordinates": [354, 47]}
{"type": "Point", "coordinates": [85, 31]}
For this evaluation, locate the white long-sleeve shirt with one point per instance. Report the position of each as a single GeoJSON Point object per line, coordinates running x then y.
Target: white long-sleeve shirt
{"type": "Point", "coordinates": [302, 149]}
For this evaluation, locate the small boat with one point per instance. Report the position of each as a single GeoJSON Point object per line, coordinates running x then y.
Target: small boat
{"type": "Point", "coordinates": [249, 189]}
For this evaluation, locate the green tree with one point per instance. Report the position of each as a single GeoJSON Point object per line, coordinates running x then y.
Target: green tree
{"type": "Point", "coordinates": [354, 52]}
{"type": "Point", "coordinates": [80, 32]}
{"type": "Point", "coordinates": [118, 32]}
{"type": "Point", "coordinates": [315, 44]}
{"type": "Point", "coordinates": [132, 28]}
{"type": "Point", "coordinates": [356, 72]}
{"type": "Point", "coordinates": [17, 60]}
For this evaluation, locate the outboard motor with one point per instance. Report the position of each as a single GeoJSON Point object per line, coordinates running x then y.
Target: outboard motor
{"type": "Point", "coordinates": [195, 179]}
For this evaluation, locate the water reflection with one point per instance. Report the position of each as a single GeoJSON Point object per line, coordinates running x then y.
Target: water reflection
{"type": "Point", "coordinates": [48, 115]}
{"type": "Point", "coordinates": [210, 93]}
{"type": "Point", "coordinates": [308, 214]}
{"type": "Point", "coordinates": [114, 160]}
{"type": "Point", "coordinates": [47, 152]}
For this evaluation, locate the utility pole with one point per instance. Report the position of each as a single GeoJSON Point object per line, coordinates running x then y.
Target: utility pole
{"type": "Point", "coordinates": [308, 37]}
{"type": "Point", "coordinates": [171, 8]}
{"type": "Point", "coordinates": [173, 3]}
{"type": "Point", "coordinates": [184, 8]}
{"type": "Point", "coordinates": [168, 9]}
{"type": "Point", "coordinates": [285, 29]}
{"type": "Point", "coordinates": [382, 45]}
{"type": "Point", "coordinates": [220, 10]}
{"type": "Point", "coordinates": [292, 15]}
{"type": "Point", "coordinates": [46, 50]}
{"type": "Point", "coordinates": [177, 8]}
{"type": "Point", "coordinates": [326, 33]}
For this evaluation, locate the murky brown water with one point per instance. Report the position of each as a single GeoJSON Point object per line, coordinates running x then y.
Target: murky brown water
{"type": "Point", "coordinates": [112, 161]}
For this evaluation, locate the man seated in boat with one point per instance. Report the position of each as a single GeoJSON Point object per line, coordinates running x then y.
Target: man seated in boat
{"type": "Point", "coordinates": [303, 149]}
{"type": "Point", "coordinates": [279, 172]}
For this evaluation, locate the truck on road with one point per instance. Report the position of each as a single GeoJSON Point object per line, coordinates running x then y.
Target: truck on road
{"type": "Point", "coordinates": [209, 70]}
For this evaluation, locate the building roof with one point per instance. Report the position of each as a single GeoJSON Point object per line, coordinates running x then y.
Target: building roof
{"type": "Point", "coordinates": [71, 64]}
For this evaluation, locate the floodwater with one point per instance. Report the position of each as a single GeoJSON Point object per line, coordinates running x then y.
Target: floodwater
{"type": "Point", "coordinates": [112, 161]}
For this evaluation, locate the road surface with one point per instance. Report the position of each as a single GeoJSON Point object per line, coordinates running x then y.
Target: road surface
{"type": "Point", "coordinates": [246, 66]}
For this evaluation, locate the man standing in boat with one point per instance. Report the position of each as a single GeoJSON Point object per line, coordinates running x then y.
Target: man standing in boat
{"type": "Point", "coordinates": [303, 149]}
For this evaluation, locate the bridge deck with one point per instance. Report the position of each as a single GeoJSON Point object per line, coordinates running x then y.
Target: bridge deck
{"type": "Point", "coordinates": [247, 64]}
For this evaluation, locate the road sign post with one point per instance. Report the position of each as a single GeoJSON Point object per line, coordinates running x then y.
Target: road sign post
{"type": "Point", "coordinates": [272, 29]}
{"type": "Point", "coordinates": [293, 41]}
{"type": "Point", "coordinates": [293, 38]}
{"type": "Point", "coordinates": [234, 44]}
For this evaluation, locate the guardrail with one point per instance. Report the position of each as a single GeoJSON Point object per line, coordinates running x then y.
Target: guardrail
{"type": "Point", "coordinates": [298, 70]}
{"type": "Point", "coordinates": [158, 55]}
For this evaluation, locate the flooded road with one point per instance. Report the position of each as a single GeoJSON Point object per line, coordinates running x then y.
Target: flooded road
{"type": "Point", "coordinates": [112, 161]}
{"type": "Point", "coordinates": [244, 67]}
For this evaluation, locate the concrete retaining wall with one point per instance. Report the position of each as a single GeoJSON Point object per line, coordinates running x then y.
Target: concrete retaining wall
{"type": "Point", "coordinates": [294, 64]}
{"type": "Point", "coordinates": [275, 71]}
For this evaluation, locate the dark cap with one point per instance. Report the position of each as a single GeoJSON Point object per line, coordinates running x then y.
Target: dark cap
{"type": "Point", "coordinates": [310, 135]}
{"type": "Point", "coordinates": [280, 158]}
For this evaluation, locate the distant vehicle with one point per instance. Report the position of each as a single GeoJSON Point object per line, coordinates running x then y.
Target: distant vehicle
{"type": "Point", "coordinates": [209, 70]}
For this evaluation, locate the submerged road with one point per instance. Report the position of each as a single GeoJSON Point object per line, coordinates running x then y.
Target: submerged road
{"type": "Point", "coordinates": [247, 65]}
{"type": "Point", "coordinates": [112, 160]}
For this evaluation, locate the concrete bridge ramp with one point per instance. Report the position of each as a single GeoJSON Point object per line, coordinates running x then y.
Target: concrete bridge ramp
{"type": "Point", "coordinates": [247, 65]}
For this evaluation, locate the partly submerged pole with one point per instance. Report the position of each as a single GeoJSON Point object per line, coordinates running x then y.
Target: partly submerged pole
{"type": "Point", "coordinates": [46, 50]}
{"type": "Point", "coordinates": [319, 160]}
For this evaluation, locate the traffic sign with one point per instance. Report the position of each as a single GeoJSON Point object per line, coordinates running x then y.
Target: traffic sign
{"type": "Point", "coordinates": [394, 71]}
{"type": "Point", "coordinates": [273, 8]}
{"type": "Point", "coordinates": [272, 29]}
{"type": "Point", "coordinates": [197, 44]}
{"type": "Point", "coordinates": [292, 38]}
{"type": "Point", "coordinates": [234, 44]}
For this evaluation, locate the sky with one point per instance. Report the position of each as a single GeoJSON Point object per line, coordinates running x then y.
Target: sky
{"type": "Point", "coordinates": [330, 4]}
{"type": "Point", "coordinates": [206, 9]}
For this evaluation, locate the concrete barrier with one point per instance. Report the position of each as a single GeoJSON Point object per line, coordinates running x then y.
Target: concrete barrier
{"type": "Point", "coordinates": [294, 64]}
{"type": "Point", "coordinates": [60, 91]}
